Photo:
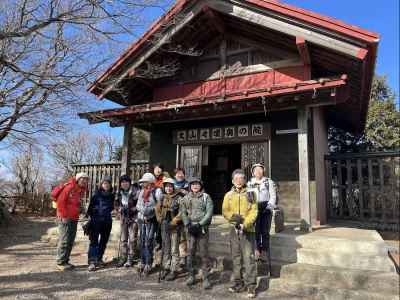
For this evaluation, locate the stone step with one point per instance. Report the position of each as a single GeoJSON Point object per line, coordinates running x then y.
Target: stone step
{"type": "Point", "coordinates": [333, 259]}
{"type": "Point", "coordinates": [341, 278]}
{"type": "Point", "coordinates": [328, 243]}
{"type": "Point", "coordinates": [317, 292]}
{"type": "Point", "coordinates": [371, 244]}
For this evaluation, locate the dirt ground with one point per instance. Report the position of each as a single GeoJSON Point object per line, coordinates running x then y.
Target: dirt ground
{"type": "Point", "coordinates": [28, 271]}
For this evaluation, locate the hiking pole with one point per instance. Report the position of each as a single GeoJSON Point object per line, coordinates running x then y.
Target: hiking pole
{"type": "Point", "coordinates": [120, 237]}
{"type": "Point", "coordinates": [163, 229]}
{"type": "Point", "coordinates": [142, 245]}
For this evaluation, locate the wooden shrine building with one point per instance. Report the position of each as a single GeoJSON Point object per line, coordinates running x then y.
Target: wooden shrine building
{"type": "Point", "coordinates": [223, 84]}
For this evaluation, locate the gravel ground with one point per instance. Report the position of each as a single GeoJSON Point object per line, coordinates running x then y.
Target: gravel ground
{"type": "Point", "coordinates": [28, 271]}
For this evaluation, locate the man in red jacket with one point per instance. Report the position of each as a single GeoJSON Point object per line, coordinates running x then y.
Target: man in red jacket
{"type": "Point", "coordinates": [68, 210]}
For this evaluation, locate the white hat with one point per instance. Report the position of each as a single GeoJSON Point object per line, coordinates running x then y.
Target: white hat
{"type": "Point", "coordinates": [255, 166]}
{"type": "Point", "coordinates": [81, 175]}
{"type": "Point", "coordinates": [169, 180]}
{"type": "Point", "coordinates": [147, 177]}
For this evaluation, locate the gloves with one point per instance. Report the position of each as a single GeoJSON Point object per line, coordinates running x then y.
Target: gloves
{"type": "Point", "coordinates": [87, 227]}
{"type": "Point", "coordinates": [236, 219]}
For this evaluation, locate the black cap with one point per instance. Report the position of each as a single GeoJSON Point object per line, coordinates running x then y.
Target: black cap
{"type": "Point", "coordinates": [125, 178]}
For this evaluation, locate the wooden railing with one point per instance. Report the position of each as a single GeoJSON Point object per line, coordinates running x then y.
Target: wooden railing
{"type": "Point", "coordinates": [364, 188]}
{"type": "Point", "coordinates": [98, 170]}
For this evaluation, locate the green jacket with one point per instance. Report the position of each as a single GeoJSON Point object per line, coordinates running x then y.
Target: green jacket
{"type": "Point", "coordinates": [197, 208]}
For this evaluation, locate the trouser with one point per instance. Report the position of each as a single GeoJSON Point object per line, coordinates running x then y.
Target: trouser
{"type": "Point", "coordinates": [242, 251]}
{"type": "Point", "coordinates": [198, 245]}
{"type": "Point", "coordinates": [66, 237]}
{"type": "Point", "coordinates": [170, 247]}
{"type": "Point", "coordinates": [98, 236]}
{"type": "Point", "coordinates": [183, 245]}
{"type": "Point", "coordinates": [147, 231]}
{"type": "Point", "coordinates": [129, 238]}
{"type": "Point", "coordinates": [158, 235]}
{"type": "Point", "coordinates": [263, 226]}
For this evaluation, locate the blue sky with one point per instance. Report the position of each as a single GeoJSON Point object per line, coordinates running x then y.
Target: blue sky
{"type": "Point", "coordinates": [378, 16]}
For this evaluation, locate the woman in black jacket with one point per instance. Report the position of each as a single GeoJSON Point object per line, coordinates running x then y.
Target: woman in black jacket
{"type": "Point", "coordinates": [125, 205]}
{"type": "Point", "coordinates": [100, 207]}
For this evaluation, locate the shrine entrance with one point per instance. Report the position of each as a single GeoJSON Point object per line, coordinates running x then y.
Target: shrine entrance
{"type": "Point", "coordinates": [214, 160]}
{"type": "Point", "coordinates": [222, 161]}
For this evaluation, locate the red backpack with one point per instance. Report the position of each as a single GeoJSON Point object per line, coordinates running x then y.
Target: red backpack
{"type": "Point", "coordinates": [55, 193]}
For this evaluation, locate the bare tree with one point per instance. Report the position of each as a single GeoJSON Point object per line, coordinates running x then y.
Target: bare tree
{"type": "Point", "coordinates": [81, 147]}
{"type": "Point", "coordinates": [30, 180]}
{"type": "Point", "coordinates": [49, 51]}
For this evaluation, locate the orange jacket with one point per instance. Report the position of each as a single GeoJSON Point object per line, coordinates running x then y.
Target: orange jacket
{"type": "Point", "coordinates": [69, 201]}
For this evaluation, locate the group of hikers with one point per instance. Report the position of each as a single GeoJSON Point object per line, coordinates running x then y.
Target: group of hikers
{"type": "Point", "coordinates": [171, 215]}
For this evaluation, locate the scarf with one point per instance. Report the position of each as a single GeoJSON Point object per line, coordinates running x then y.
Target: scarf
{"type": "Point", "coordinates": [159, 181]}
{"type": "Point", "coordinates": [180, 184]}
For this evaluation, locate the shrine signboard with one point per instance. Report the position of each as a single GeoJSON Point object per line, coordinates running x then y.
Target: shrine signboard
{"type": "Point", "coordinates": [223, 134]}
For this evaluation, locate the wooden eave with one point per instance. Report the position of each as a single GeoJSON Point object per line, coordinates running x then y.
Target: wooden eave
{"type": "Point", "coordinates": [324, 91]}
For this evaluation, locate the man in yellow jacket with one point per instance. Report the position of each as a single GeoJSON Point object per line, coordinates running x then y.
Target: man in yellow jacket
{"type": "Point", "coordinates": [240, 210]}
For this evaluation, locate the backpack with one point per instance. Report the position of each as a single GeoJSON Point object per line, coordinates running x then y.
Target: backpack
{"type": "Point", "coordinates": [55, 193]}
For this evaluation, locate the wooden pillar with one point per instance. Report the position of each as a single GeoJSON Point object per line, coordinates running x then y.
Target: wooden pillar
{"type": "Point", "coordinates": [126, 149]}
{"type": "Point", "coordinates": [304, 174]}
{"type": "Point", "coordinates": [320, 149]}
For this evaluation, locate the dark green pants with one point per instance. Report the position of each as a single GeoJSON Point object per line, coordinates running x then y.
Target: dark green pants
{"type": "Point", "coordinates": [242, 250]}
{"type": "Point", "coordinates": [198, 246]}
{"type": "Point", "coordinates": [66, 237]}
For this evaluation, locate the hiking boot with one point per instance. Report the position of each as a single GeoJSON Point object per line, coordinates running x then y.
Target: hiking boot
{"type": "Point", "coordinates": [64, 267]}
{"type": "Point", "coordinates": [206, 284]}
{"type": "Point", "coordinates": [251, 292]}
{"type": "Point", "coordinates": [237, 287]}
{"type": "Point", "coordinates": [70, 265]}
{"type": "Point", "coordinates": [191, 280]}
{"type": "Point", "coordinates": [100, 263]}
{"type": "Point", "coordinates": [164, 274]}
{"type": "Point", "coordinates": [146, 270]}
{"type": "Point", "coordinates": [128, 264]}
{"type": "Point", "coordinates": [121, 262]}
{"type": "Point", "coordinates": [140, 268]}
{"type": "Point", "coordinates": [92, 267]}
{"type": "Point", "coordinates": [171, 276]}
{"type": "Point", "coordinates": [257, 254]}
{"type": "Point", "coordinates": [182, 262]}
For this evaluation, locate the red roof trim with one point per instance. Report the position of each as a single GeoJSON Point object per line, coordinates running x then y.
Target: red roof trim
{"type": "Point", "coordinates": [318, 19]}
{"type": "Point", "coordinates": [288, 10]}
{"type": "Point", "coordinates": [273, 91]}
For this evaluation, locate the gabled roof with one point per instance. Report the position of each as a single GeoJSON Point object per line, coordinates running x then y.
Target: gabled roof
{"type": "Point", "coordinates": [331, 41]}
{"type": "Point", "coordinates": [293, 12]}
